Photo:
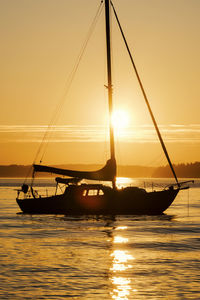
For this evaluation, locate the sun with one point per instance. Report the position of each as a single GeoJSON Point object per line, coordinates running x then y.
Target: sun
{"type": "Point", "coordinates": [120, 119]}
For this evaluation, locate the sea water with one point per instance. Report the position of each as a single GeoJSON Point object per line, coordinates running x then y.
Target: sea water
{"type": "Point", "coordinates": [121, 257]}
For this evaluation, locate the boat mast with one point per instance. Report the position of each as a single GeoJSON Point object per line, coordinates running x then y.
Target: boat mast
{"type": "Point", "coordinates": [109, 86]}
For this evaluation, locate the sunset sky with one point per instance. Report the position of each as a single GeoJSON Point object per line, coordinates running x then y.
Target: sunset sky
{"type": "Point", "coordinates": [40, 44]}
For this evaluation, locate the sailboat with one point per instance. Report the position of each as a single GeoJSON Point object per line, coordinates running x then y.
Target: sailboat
{"type": "Point", "coordinates": [97, 198]}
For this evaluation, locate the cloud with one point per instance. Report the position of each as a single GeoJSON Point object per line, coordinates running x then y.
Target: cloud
{"type": "Point", "coordinates": [74, 133]}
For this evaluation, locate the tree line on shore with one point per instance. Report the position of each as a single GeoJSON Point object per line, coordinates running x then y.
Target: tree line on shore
{"type": "Point", "coordinates": [189, 170]}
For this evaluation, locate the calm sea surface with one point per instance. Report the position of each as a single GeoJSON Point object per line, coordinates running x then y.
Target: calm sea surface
{"type": "Point", "coordinates": [126, 257]}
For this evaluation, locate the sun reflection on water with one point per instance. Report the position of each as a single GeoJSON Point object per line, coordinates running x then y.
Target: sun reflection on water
{"type": "Point", "coordinates": [124, 181]}
{"type": "Point", "coordinates": [122, 290]}
{"type": "Point", "coordinates": [120, 261]}
{"type": "Point", "coordinates": [120, 239]}
{"type": "Point", "coordinates": [121, 264]}
{"type": "Point", "coordinates": [121, 256]}
{"type": "Point", "coordinates": [121, 227]}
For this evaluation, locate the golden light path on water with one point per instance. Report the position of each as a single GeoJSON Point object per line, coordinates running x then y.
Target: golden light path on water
{"type": "Point", "coordinates": [122, 260]}
{"type": "Point", "coordinates": [124, 181]}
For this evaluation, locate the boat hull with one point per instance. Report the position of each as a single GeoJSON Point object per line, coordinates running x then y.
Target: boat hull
{"type": "Point", "coordinates": [111, 202]}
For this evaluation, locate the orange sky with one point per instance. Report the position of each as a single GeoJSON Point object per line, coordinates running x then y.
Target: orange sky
{"type": "Point", "coordinates": [40, 42]}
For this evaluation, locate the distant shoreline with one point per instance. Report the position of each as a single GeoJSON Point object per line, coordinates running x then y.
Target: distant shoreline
{"type": "Point", "coordinates": [189, 170]}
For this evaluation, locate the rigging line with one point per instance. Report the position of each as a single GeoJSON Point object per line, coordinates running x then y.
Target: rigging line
{"type": "Point", "coordinates": [68, 84]}
{"type": "Point", "coordinates": [55, 116]}
{"type": "Point", "coordinates": [146, 99]}
{"type": "Point", "coordinates": [27, 174]}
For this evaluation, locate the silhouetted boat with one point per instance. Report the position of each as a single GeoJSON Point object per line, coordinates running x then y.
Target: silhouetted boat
{"type": "Point", "coordinates": [83, 199]}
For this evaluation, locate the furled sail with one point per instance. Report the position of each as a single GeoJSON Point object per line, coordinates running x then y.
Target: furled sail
{"type": "Point", "coordinates": [107, 173]}
{"type": "Point", "coordinates": [67, 181]}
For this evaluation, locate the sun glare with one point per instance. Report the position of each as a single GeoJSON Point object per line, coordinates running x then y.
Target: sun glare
{"type": "Point", "coordinates": [120, 119]}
